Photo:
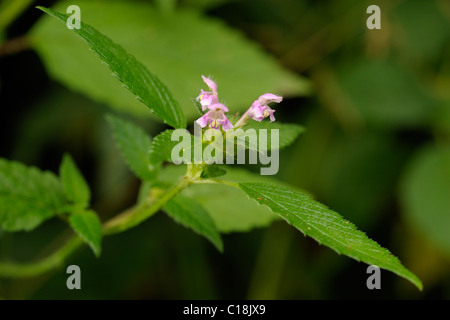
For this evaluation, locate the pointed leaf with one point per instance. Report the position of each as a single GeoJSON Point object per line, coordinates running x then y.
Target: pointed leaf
{"type": "Point", "coordinates": [326, 226]}
{"type": "Point", "coordinates": [212, 171]}
{"type": "Point", "coordinates": [74, 185]}
{"type": "Point", "coordinates": [88, 226]}
{"type": "Point", "coordinates": [28, 196]}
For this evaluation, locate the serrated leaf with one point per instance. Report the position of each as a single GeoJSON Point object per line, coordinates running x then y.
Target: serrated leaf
{"type": "Point", "coordinates": [325, 226]}
{"type": "Point", "coordinates": [88, 226]}
{"type": "Point", "coordinates": [191, 214]}
{"type": "Point", "coordinates": [74, 185]}
{"type": "Point", "coordinates": [425, 195]}
{"type": "Point", "coordinates": [178, 47]}
{"type": "Point", "coordinates": [134, 144]}
{"type": "Point", "coordinates": [133, 74]}
{"type": "Point", "coordinates": [28, 196]}
{"type": "Point", "coordinates": [385, 94]}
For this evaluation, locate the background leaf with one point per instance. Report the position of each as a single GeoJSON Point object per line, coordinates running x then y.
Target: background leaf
{"type": "Point", "coordinates": [28, 196]}
{"type": "Point", "coordinates": [192, 215]}
{"type": "Point", "coordinates": [228, 207]}
{"type": "Point", "coordinates": [425, 195]}
{"type": "Point", "coordinates": [74, 185]}
{"type": "Point", "coordinates": [326, 226]}
{"type": "Point", "coordinates": [385, 94]}
{"type": "Point", "coordinates": [133, 74]}
{"type": "Point", "coordinates": [163, 44]}
{"type": "Point", "coordinates": [287, 133]}
{"type": "Point", "coordinates": [88, 226]}
{"type": "Point", "coordinates": [134, 144]}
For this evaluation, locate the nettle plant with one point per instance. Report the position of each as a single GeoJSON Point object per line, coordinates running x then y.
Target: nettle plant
{"type": "Point", "coordinates": [29, 196]}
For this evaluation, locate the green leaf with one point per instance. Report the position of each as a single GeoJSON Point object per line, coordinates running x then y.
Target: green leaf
{"type": "Point", "coordinates": [287, 133]}
{"type": "Point", "coordinates": [326, 226]}
{"type": "Point", "coordinates": [134, 75]}
{"type": "Point", "coordinates": [212, 171]}
{"type": "Point", "coordinates": [198, 107]}
{"type": "Point", "coordinates": [88, 226]}
{"type": "Point", "coordinates": [134, 144]}
{"type": "Point", "coordinates": [425, 195]}
{"type": "Point", "coordinates": [357, 159]}
{"type": "Point", "coordinates": [191, 214]}
{"type": "Point", "coordinates": [74, 185]}
{"type": "Point", "coordinates": [28, 196]}
{"type": "Point", "coordinates": [178, 47]}
{"type": "Point", "coordinates": [226, 205]}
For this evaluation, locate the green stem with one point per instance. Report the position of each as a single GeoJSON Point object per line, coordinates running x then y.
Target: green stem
{"type": "Point", "coordinates": [13, 270]}
{"type": "Point", "coordinates": [10, 10]}
{"type": "Point", "coordinates": [124, 221]}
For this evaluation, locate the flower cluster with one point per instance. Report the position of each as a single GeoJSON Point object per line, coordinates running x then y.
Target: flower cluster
{"type": "Point", "coordinates": [215, 117]}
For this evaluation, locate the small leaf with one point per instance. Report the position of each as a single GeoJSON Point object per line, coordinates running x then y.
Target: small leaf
{"type": "Point", "coordinates": [28, 196]}
{"type": "Point", "coordinates": [74, 185]}
{"type": "Point", "coordinates": [385, 94]}
{"type": "Point", "coordinates": [198, 106]}
{"type": "Point", "coordinates": [191, 214]}
{"type": "Point", "coordinates": [134, 75]}
{"type": "Point", "coordinates": [134, 144]}
{"type": "Point", "coordinates": [326, 226]}
{"type": "Point", "coordinates": [88, 226]}
{"type": "Point", "coordinates": [212, 171]}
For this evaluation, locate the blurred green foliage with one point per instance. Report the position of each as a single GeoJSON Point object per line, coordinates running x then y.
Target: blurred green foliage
{"type": "Point", "coordinates": [375, 147]}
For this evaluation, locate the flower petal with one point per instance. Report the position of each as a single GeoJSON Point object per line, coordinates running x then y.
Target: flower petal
{"type": "Point", "coordinates": [269, 97]}
{"type": "Point", "coordinates": [203, 120]}
{"type": "Point", "coordinates": [210, 83]}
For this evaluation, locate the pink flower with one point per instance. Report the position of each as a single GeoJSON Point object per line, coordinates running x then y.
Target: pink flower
{"type": "Point", "coordinates": [260, 109]}
{"type": "Point", "coordinates": [215, 117]}
{"type": "Point", "coordinates": [208, 98]}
